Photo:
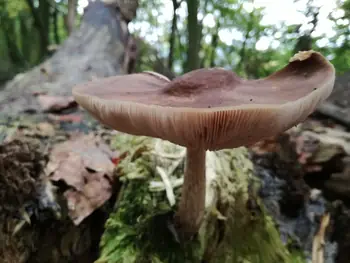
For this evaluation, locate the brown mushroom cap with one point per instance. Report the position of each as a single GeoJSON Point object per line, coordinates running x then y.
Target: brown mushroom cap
{"type": "Point", "coordinates": [213, 108]}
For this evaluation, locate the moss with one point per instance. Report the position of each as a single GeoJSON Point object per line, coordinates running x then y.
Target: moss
{"type": "Point", "coordinates": [249, 235]}
{"type": "Point", "coordinates": [236, 227]}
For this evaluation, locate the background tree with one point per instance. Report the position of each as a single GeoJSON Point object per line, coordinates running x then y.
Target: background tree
{"type": "Point", "coordinates": [227, 33]}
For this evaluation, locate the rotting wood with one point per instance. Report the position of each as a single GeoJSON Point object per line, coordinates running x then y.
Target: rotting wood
{"type": "Point", "coordinates": [31, 232]}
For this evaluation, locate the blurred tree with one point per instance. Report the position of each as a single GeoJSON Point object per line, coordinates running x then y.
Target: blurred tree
{"type": "Point", "coordinates": [70, 18]}
{"type": "Point", "coordinates": [194, 35]}
{"type": "Point", "coordinates": [341, 41]}
{"type": "Point", "coordinates": [41, 15]}
{"type": "Point", "coordinates": [176, 5]}
{"type": "Point", "coordinates": [208, 33]}
{"type": "Point", "coordinates": [304, 41]}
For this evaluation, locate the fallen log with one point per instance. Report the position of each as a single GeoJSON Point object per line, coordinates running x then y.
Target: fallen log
{"type": "Point", "coordinates": [38, 222]}
{"type": "Point", "coordinates": [260, 193]}
{"type": "Point", "coordinates": [317, 152]}
{"type": "Point", "coordinates": [236, 225]}
{"type": "Point", "coordinates": [256, 206]}
{"type": "Point", "coordinates": [337, 106]}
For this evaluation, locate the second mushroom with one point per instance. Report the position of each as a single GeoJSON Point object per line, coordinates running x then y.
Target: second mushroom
{"type": "Point", "coordinates": [208, 109]}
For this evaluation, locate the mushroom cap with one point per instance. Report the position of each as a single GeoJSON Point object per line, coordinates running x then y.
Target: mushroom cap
{"type": "Point", "coordinates": [210, 108]}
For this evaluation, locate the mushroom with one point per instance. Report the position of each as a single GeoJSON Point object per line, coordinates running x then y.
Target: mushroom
{"type": "Point", "coordinates": [208, 109]}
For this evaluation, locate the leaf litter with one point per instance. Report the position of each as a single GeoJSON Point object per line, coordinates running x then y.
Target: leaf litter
{"type": "Point", "coordinates": [84, 163]}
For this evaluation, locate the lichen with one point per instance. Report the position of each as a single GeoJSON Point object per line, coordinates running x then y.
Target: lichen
{"type": "Point", "coordinates": [236, 226]}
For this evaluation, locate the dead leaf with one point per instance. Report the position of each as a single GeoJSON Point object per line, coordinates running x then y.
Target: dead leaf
{"type": "Point", "coordinates": [95, 192]}
{"type": "Point", "coordinates": [50, 103]}
{"type": "Point", "coordinates": [85, 164]}
{"type": "Point", "coordinates": [71, 170]}
{"type": "Point", "coordinates": [92, 150]}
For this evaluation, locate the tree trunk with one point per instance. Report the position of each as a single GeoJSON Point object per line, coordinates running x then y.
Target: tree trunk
{"type": "Point", "coordinates": [240, 64]}
{"type": "Point", "coordinates": [96, 50]}
{"type": "Point", "coordinates": [13, 50]}
{"type": "Point", "coordinates": [173, 29]}
{"type": "Point", "coordinates": [70, 18]}
{"type": "Point", "coordinates": [55, 25]}
{"type": "Point", "coordinates": [193, 31]}
{"type": "Point", "coordinates": [41, 17]}
{"type": "Point", "coordinates": [214, 44]}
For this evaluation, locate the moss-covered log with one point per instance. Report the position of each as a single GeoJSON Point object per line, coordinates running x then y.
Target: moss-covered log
{"type": "Point", "coordinates": [236, 228]}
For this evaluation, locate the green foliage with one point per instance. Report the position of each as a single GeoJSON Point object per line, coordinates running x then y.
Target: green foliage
{"type": "Point", "coordinates": [15, 8]}
{"type": "Point", "coordinates": [27, 29]}
{"type": "Point", "coordinates": [231, 38]}
{"type": "Point", "coordinates": [242, 21]}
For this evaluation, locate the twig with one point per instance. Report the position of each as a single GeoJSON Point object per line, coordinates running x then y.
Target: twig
{"type": "Point", "coordinates": [318, 242]}
{"type": "Point", "coordinates": [156, 186]}
{"type": "Point", "coordinates": [168, 187]}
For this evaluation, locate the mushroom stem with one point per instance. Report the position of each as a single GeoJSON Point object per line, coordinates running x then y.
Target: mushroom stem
{"type": "Point", "coordinates": [191, 208]}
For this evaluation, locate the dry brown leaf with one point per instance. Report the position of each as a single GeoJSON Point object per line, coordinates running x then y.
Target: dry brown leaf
{"type": "Point", "coordinates": [91, 149]}
{"type": "Point", "coordinates": [95, 192]}
{"type": "Point", "coordinates": [71, 170]}
{"type": "Point", "coordinates": [85, 164]}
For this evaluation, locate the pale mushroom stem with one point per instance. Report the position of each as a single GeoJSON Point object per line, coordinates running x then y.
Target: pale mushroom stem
{"type": "Point", "coordinates": [191, 208]}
